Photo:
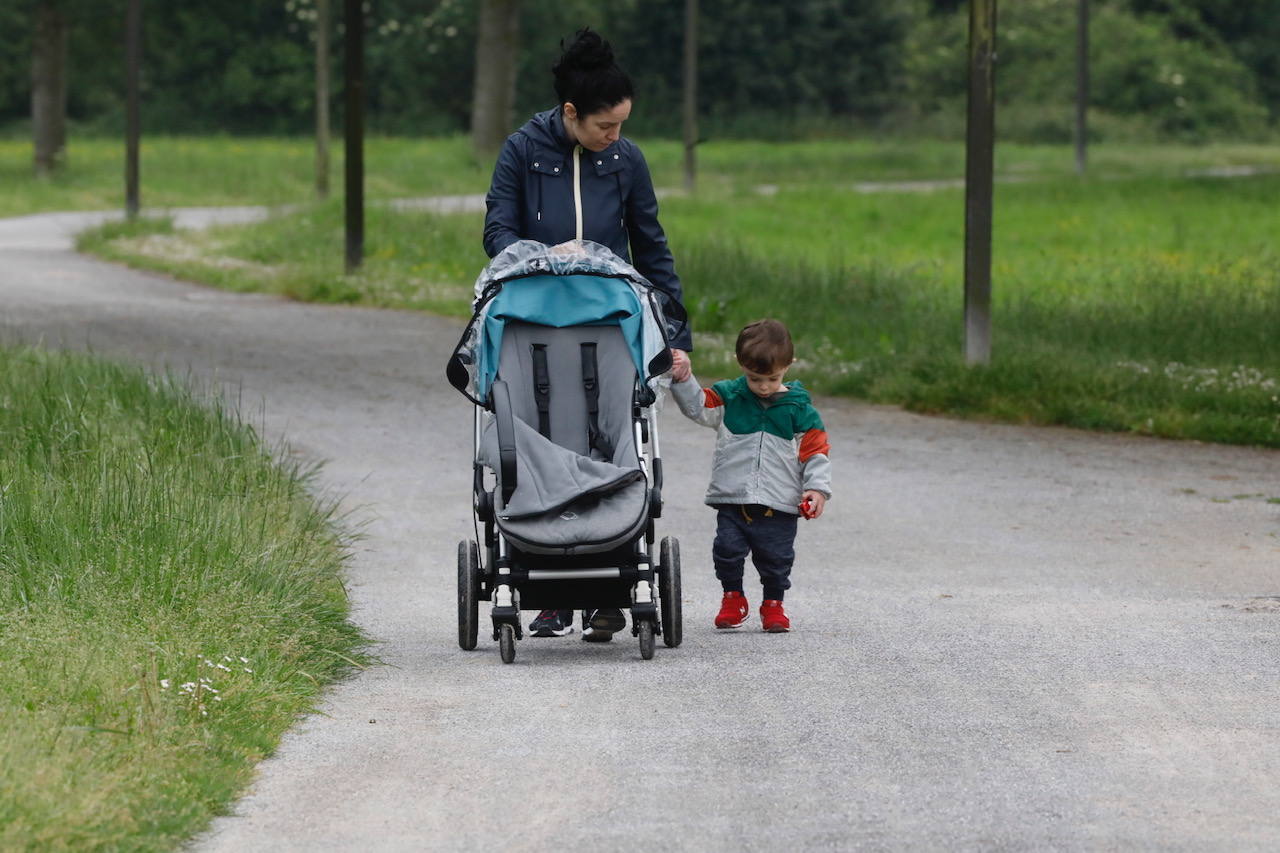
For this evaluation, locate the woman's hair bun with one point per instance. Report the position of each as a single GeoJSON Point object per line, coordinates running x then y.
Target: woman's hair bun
{"type": "Point", "coordinates": [587, 75]}
{"type": "Point", "coordinates": [587, 52]}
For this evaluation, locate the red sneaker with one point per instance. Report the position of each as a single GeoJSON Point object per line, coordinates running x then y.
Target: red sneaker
{"type": "Point", "coordinates": [774, 618]}
{"type": "Point", "coordinates": [733, 610]}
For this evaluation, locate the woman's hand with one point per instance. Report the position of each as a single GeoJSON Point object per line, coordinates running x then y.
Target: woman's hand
{"type": "Point", "coordinates": [681, 368]}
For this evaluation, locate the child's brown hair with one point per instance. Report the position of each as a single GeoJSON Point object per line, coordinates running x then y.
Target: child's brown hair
{"type": "Point", "coordinates": [764, 347]}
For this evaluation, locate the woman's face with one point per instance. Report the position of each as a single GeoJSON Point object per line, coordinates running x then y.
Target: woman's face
{"type": "Point", "coordinates": [599, 130]}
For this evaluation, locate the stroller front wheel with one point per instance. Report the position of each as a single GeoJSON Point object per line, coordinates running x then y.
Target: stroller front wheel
{"type": "Point", "coordinates": [507, 643]}
{"type": "Point", "coordinates": [646, 639]}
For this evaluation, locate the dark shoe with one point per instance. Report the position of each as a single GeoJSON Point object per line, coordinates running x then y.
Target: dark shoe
{"type": "Point", "coordinates": [733, 610]}
{"type": "Point", "coordinates": [552, 623]}
{"type": "Point", "coordinates": [599, 626]}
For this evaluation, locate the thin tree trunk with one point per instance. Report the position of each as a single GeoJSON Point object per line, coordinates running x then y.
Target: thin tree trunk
{"type": "Point", "coordinates": [1082, 85]}
{"type": "Point", "coordinates": [49, 87]}
{"type": "Point", "coordinates": [133, 109]}
{"type": "Point", "coordinates": [980, 140]}
{"type": "Point", "coordinates": [690, 93]}
{"type": "Point", "coordinates": [494, 93]}
{"type": "Point", "coordinates": [353, 132]}
{"type": "Point", "coordinates": [322, 98]}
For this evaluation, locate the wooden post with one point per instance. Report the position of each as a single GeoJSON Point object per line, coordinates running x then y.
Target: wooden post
{"type": "Point", "coordinates": [322, 99]}
{"type": "Point", "coordinates": [979, 157]}
{"type": "Point", "coordinates": [132, 120]}
{"type": "Point", "coordinates": [353, 71]}
{"type": "Point", "coordinates": [690, 93]}
{"type": "Point", "coordinates": [1082, 84]}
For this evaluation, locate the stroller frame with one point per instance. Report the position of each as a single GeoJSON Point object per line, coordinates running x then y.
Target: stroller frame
{"type": "Point", "coordinates": [517, 575]}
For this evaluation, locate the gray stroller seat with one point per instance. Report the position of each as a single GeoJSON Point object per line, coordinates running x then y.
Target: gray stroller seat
{"type": "Point", "coordinates": [562, 440]}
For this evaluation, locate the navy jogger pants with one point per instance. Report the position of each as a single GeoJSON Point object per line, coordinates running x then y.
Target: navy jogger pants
{"type": "Point", "coordinates": [768, 535]}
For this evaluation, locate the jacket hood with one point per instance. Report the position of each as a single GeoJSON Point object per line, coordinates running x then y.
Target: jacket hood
{"type": "Point", "coordinates": [547, 128]}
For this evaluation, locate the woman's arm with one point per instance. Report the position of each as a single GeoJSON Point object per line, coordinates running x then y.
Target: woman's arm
{"type": "Point", "coordinates": [650, 254]}
{"type": "Point", "coordinates": [504, 200]}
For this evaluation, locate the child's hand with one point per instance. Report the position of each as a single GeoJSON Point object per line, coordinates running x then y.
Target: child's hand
{"type": "Point", "coordinates": [812, 504]}
{"type": "Point", "coordinates": [680, 365]}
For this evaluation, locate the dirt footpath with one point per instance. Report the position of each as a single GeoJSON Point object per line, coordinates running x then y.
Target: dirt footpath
{"type": "Point", "coordinates": [1005, 637]}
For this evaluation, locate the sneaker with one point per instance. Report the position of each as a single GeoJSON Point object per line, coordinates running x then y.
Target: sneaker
{"type": "Point", "coordinates": [599, 626]}
{"type": "Point", "coordinates": [733, 610]}
{"type": "Point", "coordinates": [773, 618]}
{"type": "Point", "coordinates": [552, 623]}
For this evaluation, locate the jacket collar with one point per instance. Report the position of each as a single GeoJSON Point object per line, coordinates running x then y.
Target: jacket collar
{"type": "Point", "coordinates": [547, 128]}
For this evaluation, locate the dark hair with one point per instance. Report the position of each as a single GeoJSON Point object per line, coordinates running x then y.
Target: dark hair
{"type": "Point", "coordinates": [587, 76]}
{"type": "Point", "coordinates": [764, 346]}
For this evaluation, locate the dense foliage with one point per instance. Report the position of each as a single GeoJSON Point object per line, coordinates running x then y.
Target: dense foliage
{"type": "Point", "coordinates": [1188, 69]}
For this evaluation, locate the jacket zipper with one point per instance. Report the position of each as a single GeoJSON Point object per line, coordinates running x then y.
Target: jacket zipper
{"type": "Point", "coordinates": [577, 190]}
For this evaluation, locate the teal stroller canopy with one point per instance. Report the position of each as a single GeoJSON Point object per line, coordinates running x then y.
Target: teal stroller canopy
{"type": "Point", "coordinates": [574, 284]}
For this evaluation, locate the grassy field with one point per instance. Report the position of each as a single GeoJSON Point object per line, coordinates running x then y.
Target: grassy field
{"type": "Point", "coordinates": [170, 601]}
{"type": "Point", "coordinates": [1144, 303]}
{"type": "Point", "coordinates": [196, 171]}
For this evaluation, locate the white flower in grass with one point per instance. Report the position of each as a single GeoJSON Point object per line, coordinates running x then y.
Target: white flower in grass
{"type": "Point", "coordinates": [164, 684]}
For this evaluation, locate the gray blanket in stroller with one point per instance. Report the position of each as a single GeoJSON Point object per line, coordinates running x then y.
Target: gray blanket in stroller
{"type": "Point", "coordinates": [550, 477]}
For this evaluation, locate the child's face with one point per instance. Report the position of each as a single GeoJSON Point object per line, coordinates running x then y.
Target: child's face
{"type": "Point", "coordinates": [765, 384]}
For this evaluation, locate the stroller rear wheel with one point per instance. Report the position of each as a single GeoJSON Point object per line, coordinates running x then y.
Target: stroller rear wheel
{"type": "Point", "coordinates": [646, 639]}
{"type": "Point", "coordinates": [669, 592]}
{"type": "Point", "coordinates": [468, 594]}
{"type": "Point", "coordinates": [507, 642]}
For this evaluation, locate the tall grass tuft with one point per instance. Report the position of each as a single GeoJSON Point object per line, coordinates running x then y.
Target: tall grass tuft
{"type": "Point", "coordinates": [170, 600]}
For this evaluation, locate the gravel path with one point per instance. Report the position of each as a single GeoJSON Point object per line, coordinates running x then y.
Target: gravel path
{"type": "Point", "coordinates": [1006, 637]}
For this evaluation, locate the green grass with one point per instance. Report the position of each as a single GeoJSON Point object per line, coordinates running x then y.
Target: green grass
{"type": "Point", "coordinates": [1116, 297]}
{"type": "Point", "coordinates": [1142, 305]}
{"type": "Point", "coordinates": [197, 171]}
{"type": "Point", "coordinates": [170, 602]}
{"type": "Point", "coordinates": [1139, 304]}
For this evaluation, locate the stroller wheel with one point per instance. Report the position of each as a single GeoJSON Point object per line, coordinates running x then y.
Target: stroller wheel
{"type": "Point", "coordinates": [669, 592]}
{"type": "Point", "coordinates": [646, 639]}
{"type": "Point", "coordinates": [468, 594]}
{"type": "Point", "coordinates": [507, 643]}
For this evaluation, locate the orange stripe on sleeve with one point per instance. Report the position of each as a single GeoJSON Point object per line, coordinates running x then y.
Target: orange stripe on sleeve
{"type": "Point", "coordinates": [711, 399]}
{"type": "Point", "coordinates": [813, 443]}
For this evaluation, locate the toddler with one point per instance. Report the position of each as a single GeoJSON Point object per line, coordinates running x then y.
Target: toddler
{"type": "Point", "coordinates": [771, 466]}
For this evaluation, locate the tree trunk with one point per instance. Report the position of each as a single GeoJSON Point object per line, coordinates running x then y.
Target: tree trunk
{"type": "Point", "coordinates": [494, 94]}
{"type": "Point", "coordinates": [49, 87]}
{"type": "Point", "coordinates": [690, 100]}
{"type": "Point", "coordinates": [322, 98]}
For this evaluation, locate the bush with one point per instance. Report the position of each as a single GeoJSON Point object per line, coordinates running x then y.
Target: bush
{"type": "Point", "coordinates": [1144, 80]}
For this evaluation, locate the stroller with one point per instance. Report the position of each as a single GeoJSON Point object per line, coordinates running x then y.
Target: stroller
{"type": "Point", "coordinates": [560, 359]}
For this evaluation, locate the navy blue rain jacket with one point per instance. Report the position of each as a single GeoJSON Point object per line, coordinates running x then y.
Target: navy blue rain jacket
{"type": "Point", "coordinates": [532, 198]}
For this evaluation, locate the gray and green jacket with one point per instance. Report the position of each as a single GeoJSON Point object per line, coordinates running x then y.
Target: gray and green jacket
{"type": "Point", "coordinates": [767, 451]}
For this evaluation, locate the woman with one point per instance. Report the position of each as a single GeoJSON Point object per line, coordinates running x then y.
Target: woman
{"type": "Point", "coordinates": [568, 174]}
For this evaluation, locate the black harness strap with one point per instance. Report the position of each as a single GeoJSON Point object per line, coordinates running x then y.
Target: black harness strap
{"type": "Point", "coordinates": [591, 388]}
{"type": "Point", "coordinates": [542, 388]}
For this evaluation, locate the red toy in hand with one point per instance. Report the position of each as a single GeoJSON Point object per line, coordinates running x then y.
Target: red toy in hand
{"type": "Point", "coordinates": [806, 509]}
